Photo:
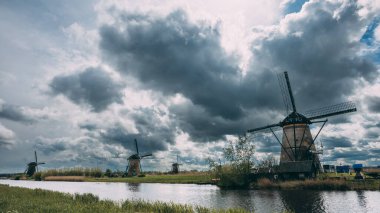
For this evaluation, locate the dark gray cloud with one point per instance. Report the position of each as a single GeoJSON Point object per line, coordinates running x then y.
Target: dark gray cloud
{"type": "Point", "coordinates": [372, 134]}
{"type": "Point", "coordinates": [14, 113]}
{"type": "Point", "coordinates": [153, 134]}
{"type": "Point", "coordinates": [333, 142]}
{"type": "Point", "coordinates": [350, 154]}
{"type": "Point", "coordinates": [48, 146]}
{"type": "Point", "coordinates": [375, 151]}
{"type": "Point", "coordinates": [88, 126]}
{"type": "Point", "coordinates": [268, 144]}
{"type": "Point", "coordinates": [373, 104]}
{"type": "Point", "coordinates": [92, 87]}
{"type": "Point", "coordinates": [319, 52]}
{"type": "Point", "coordinates": [173, 55]}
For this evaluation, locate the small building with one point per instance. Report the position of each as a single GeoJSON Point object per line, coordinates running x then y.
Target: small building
{"type": "Point", "coordinates": [297, 170]}
{"type": "Point", "coordinates": [343, 169]}
{"type": "Point", "coordinates": [329, 168]}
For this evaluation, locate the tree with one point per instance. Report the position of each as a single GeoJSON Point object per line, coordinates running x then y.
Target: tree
{"type": "Point", "coordinates": [239, 154]}
{"type": "Point", "coordinates": [268, 162]}
{"type": "Point", "coordinates": [108, 173]}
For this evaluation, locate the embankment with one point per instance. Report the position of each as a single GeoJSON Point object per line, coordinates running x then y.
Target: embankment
{"type": "Point", "coordinates": [318, 184]}
{"type": "Point", "coordinates": [16, 199]}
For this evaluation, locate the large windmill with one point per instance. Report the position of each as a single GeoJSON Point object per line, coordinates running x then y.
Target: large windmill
{"type": "Point", "coordinates": [134, 164]}
{"type": "Point", "coordinates": [299, 156]}
{"type": "Point", "coordinates": [32, 167]}
{"type": "Point", "coordinates": [175, 167]}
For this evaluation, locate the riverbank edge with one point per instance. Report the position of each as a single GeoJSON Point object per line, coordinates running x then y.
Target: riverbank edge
{"type": "Point", "coordinates": [170, 179]}
{"type": "Point", "coordinates": [325, 185]}
{"type": "Point", "coordinates": [19, 199]}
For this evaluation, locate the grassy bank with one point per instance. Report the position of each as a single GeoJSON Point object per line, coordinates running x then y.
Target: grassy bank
{"type": "Point", "coordinates": [196, 178]}
{"type": "Point", "coordinates": [327, 184]}
{"type": "Point", "coordinates": [16, 199]}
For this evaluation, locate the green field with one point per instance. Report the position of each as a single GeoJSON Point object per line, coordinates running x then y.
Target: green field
{"type": "Point", "coordinates": [197, 178]}
{"type": "Point", "coordinates": [16, 199]}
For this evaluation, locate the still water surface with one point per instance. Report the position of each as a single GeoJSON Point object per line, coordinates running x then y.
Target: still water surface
{"type": "Point", "coordinates": [211, 196]}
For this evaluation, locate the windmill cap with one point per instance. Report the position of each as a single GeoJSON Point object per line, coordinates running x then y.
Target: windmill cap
{"type": "Point", "coordinates": [134, 157]}
{"type": "Point", "coordinates": [295, 118]}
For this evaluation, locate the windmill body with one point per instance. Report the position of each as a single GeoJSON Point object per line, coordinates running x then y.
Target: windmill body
{"type": "Point", "coordinates": [134, 162]}
{"type": "Point", "coordinates": [175, 167]}
{"type": "Point", "coordinates": [299, 156]}
{"type": "Point", "coordinates": [32, 167]}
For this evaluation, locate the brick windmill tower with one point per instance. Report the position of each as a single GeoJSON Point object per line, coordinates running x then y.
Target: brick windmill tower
{"type": "Point", "coordinates": [299, 157]}
{"type": "Point", "coordinates": [134, 162]}
{"type": "Point", "coordinates": [32, 167]}
{"type": "Point", "coordinates": [175, 167]}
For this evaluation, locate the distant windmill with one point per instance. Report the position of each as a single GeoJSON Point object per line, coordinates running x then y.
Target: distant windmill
{"type": "Point", "coordinates": [298, 152]}
{"type": "Point", "coordinates": [32, 167]}
{"type": "Point", "coordinates": [175, 167]}
{"type": "Point", "coordinates": [134, 164]}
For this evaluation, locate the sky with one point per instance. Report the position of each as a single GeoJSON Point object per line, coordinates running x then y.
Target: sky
{"type": "Point", "coordinates": [80, 80]}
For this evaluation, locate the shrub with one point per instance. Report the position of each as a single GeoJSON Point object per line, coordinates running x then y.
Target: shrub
{"type": "Point", "coordinates": [264, 183]}
{"type": "Point", "coordinates": [37, 176]}
{"type": "Point", "coordinates": [86, 198]}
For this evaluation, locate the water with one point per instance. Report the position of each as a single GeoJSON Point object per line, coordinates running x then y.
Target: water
{"type": "Point", "coordinates": [211, 196]}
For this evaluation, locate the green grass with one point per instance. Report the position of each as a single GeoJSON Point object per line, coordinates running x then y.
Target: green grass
{"type": "Point", "coordinates": [197, 178]}
{"type": "Point", "coordinates": [16, 199]}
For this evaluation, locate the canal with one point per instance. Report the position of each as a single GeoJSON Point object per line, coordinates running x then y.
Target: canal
{"type": "Point", "coordinates": [213, 197]}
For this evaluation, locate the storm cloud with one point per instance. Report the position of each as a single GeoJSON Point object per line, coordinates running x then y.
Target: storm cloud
{"type": "Point", "coordinates": [332, 142]}
{"type": "Point", "coordinates": [181, 78]}
{"type": "Point", "coordinates": [152, 132]}
{"type": "Point", "coordinates": [14, 113]}
{"type": "Point", "coordinates": [319, 47]}
{"type": "Point", "coordinates": [92, 87]}
{"type": "Point", "coordinates": [173, 55]}
{"type": "Point", "coordinates": [374, 104]}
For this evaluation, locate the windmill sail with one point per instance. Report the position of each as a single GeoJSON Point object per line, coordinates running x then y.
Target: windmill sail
{"type": "Point", "coordinates": [146, 155]}
{"type": "Point", "coordinates": [290, 92]}
{"type": "Point", "coordinates": [284, 91]}
{"type": "Point", "coordinates": [137, 147]}
{"type": "Point", "coordinates": [328, 111]}
{"type": "Point", "coordinates": [266, 129]}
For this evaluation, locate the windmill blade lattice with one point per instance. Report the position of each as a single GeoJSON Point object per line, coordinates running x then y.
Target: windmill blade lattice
{"type": "Point", "coordinates": [285, 95]}
{"type": "Point", "coordinates": [328, 111]}
{"type": "Point", "coordinates": [266, 129]}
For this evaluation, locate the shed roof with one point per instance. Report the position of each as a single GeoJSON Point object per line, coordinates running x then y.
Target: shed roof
{"type": "Point", "coordinates": [296, 166]}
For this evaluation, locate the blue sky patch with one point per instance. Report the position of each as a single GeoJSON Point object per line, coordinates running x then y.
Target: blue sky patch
{"type": "Point", "coordinates": [294, 7]}
{"type": "Point", "coordinates": [368, 36]}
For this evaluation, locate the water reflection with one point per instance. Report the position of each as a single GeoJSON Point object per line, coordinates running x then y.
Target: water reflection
{"type": "Point", "coordinates": [302, 200]}
{"type": "Point", "coordinates": [212, 197]}
{"type": "Point", "coordinates": [362, 199]}
{"type": "Point", "coordinates": [133, 187]}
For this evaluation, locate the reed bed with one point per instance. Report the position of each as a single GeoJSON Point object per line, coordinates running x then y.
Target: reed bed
{"type": "Point", "coordinates": [77, 171]}
{"type": "Point", "coordinates": [201, 178]}
{"type": "Point", "coordinates": [65, 178]}
{"type": "Point", "coordinates": [16, 199]}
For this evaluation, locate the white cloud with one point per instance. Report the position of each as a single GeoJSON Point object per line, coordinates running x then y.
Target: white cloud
{"type": "Point", "coordinates": [377, 34]}
{"type": "Point", "coordinates": [7, 136]}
